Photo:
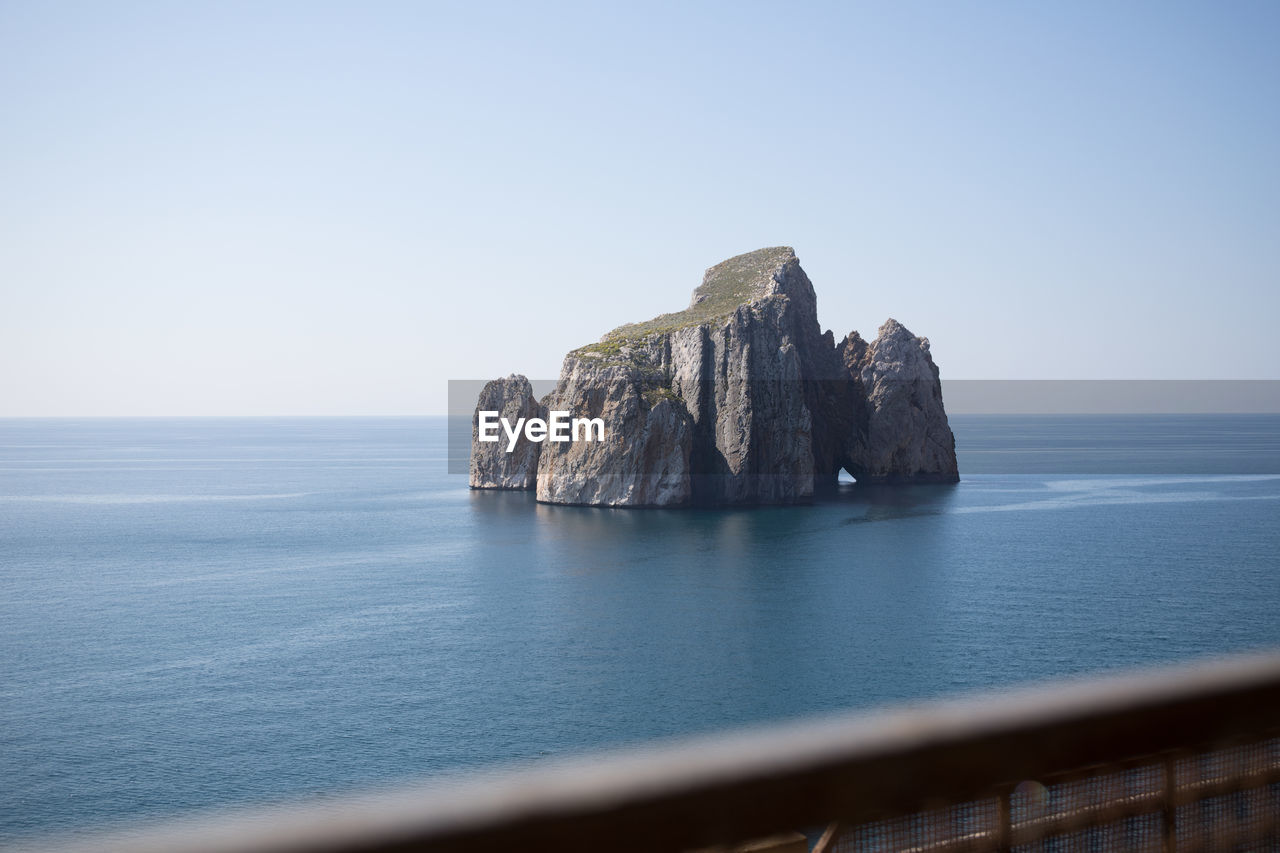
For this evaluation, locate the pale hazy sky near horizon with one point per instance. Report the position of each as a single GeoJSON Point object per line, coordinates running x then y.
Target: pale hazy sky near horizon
{"type": "Point", "coordinates": [333, 208]}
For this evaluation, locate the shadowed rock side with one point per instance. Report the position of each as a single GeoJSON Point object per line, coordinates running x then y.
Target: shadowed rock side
{"type": "Point", "coordinates": [742, 399]}
{"type": "Point", "coordinates": [492, 467]}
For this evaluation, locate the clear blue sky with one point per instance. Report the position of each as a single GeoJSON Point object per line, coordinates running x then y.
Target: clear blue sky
{"type": "Point", "coordinates": [333, 208]}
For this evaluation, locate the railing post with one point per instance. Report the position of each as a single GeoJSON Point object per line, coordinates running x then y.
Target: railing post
{"type": "Point", "coordinates": [829, 838]}
{"type": "Point", "coordinates": [1004, 820]}
{"type": "Point", "coordinates": [1169, 813]}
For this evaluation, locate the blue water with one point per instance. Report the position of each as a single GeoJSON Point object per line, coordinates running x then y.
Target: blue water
{"type": "Point", "coordinates": [197, 613]}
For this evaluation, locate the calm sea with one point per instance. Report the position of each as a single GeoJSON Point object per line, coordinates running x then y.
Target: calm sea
{"type": "Point", "coordinates": [197, 613]}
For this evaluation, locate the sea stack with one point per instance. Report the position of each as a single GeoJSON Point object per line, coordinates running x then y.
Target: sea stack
{"type": "Point", "coordinates": [492, 465]}
{"type": "Point", "coordinates": [739, 399]}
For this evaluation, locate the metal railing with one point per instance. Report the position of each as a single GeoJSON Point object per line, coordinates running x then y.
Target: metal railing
{"type": "Point", "coordinates": [1221, 799]}
{"type": "Point", "coordinates": [1173, 760]}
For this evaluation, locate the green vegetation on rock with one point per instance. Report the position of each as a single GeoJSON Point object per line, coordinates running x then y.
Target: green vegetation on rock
{"type": "Point", "coordinates": [606, 347]}
{"type": "Point", "coordinates": [726, 286]}
{"type": "Point", "coordinates": [654, 396]}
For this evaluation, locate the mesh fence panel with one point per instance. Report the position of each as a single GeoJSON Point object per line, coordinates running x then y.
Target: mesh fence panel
{"type": "Point", "coordinates": [1222, 799]}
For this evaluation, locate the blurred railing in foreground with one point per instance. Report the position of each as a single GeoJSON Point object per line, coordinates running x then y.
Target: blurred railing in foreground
{"type": "Point", "coordinates": [1173, 760]}
{"type": "Point", "coordinates": [1215, 799]}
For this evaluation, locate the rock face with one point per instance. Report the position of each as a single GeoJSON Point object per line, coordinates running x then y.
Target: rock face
{"type": "Point", "coordinates": [907, 437]}
{"type": "Point", "coordinates": [738, 399]}
{"type": "Point", "coordinates": [644, 457]}
{"type": "Point", "coordinates": [492, 467]}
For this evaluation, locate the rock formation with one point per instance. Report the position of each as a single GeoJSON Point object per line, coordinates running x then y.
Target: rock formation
{"type": "Point", "coordinates": [492, 467]}
{"type": "Point", "coordinates": [738, 399]}
{"type": "Point", "coordinates": [644, 457]}
{"type": "Point", "coordinates": [907, 436]}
